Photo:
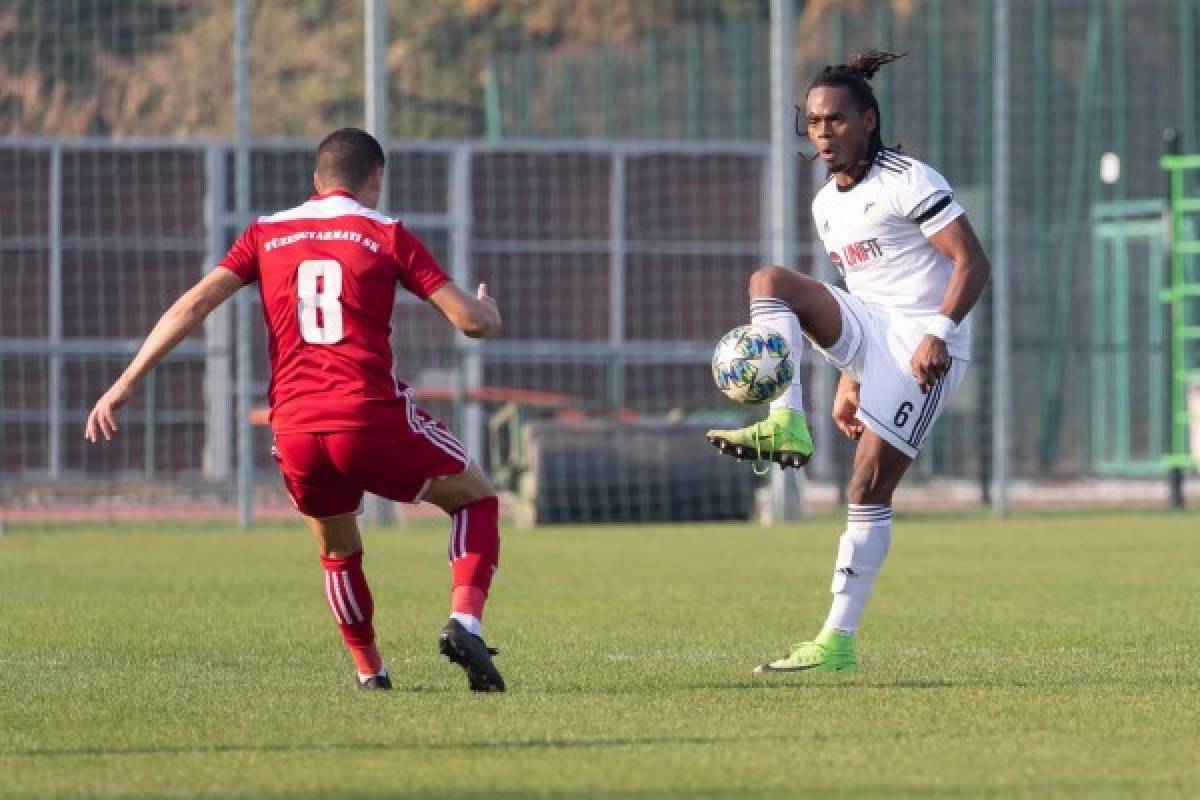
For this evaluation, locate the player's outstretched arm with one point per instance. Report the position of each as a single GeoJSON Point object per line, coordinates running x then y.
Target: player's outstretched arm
{"type": "Point", "coordinates": [184, 316]}
{"type": "Point", "coordinates": [477, 316]}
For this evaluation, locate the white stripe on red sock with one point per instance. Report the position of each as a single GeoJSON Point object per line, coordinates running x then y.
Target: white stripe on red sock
{"type": "Point", "coordinates": [462, 534]}
{"type": "Point", "coordinates": [344, 618]}
{"type": "Point", "coordinates": [329, 598]}
{"type": "Point", "coordinates": [349, 592]}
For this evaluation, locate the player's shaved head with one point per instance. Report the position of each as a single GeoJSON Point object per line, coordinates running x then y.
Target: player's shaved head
{"type": "Point", "coordinates": [347, 157]}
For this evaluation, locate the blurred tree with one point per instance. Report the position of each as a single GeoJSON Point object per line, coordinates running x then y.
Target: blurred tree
{"type": "Point", "coordinates": [52, 51]}
{"type": "Point", "coordinates": [164, 67]}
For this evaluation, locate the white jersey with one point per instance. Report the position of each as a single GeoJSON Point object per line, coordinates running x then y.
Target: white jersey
{"type": "Point", "coordinates": [876, 232]}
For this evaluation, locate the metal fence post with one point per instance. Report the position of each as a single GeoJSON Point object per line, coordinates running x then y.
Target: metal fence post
{"type": "Point", "coordinates": [55, 291]}
{"type": "Point", "coordinates": [218, 389]}
{"type": "Point", "coordinates": [1001, 425]}
{"type": "Point", "coordinates": [245, 306]}
{"type": "Point", "coordinates": [616, 279]}
{"type": "Point", "coordinates": [375, 35]}
{"type": "Point", "coordinates": [824, 376]}
{"type": "Point", "coordinates": [378, 511]}
{"type": "Point", "coordinates": [1175, 481]}
{"type": "Point", "coordinates": [786, 500]}
{"type": "Point", "coordinates": [471, 375]}
{"type": "Point", "coordinates": [1187, 71]}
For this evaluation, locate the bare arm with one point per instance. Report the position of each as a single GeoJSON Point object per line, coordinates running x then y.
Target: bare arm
{"type": "Point", "coordinates": [176, 324]}
{"type": "Point", "coordinates": [477, 317]}
{"type": "Point", "coordinates": [845, 406]}
{"type": "Point", "coordinates": [957, 242]}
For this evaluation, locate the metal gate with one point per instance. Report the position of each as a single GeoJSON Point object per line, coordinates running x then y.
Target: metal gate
{"type": "Point", "coordinates": [1129, 379]}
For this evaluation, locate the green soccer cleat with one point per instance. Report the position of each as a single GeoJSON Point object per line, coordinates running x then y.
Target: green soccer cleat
{"type": "Point", "coordinates": [829, 652]}
{"type": "Point", "coordinates": [782, 437]}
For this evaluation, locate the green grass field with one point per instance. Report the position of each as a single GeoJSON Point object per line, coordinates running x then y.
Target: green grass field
{"type": "Point", "coordinates": [1049, 656]}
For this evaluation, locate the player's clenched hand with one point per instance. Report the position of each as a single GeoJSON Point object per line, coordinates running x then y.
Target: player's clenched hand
{"type": "Point", "coordinates": [103, 419]}
{"type": "Point", "coordinates": [845, 406]}
{"type": "Point", "coordinates": [930, 362]}
{"type": "Point", "coordinates": [489, 302]}
{"type": "Point", "coordinates": [482, 295]}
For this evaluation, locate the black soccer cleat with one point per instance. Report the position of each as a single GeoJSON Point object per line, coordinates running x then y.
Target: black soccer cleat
{"type": "Point", "coordinates": [375, 683]}
{"type": "Point", "coordinates": [469, 652]}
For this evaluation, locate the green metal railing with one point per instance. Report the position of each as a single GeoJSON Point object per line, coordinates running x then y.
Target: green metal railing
{"type": "Point", "coordinates": [1128, 350]}
{"type": "Point", "coordinates": [1183, 296]}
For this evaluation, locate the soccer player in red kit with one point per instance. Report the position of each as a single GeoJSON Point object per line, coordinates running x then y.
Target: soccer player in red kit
{"type": "Point", "coordinates": [327, 272]}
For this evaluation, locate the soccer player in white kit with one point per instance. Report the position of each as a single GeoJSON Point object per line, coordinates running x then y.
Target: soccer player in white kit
{"type": "Point", "coordinates": [900, 334]}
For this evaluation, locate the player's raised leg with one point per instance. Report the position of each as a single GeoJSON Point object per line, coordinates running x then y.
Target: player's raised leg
{"type": "Point", "coordinates": [420, 459]}
{"type": "Point", "coordinates": [793, 305]}
{"type": "Point", "coordinates": [474, 553]}
{"type": "Point", "coordinates": [878, 468]}
{"type": "Point", "coordinates": [349, 595]}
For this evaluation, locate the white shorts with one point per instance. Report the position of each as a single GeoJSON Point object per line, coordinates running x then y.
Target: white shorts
{"type": "Point", "coordinates": [875, 349]}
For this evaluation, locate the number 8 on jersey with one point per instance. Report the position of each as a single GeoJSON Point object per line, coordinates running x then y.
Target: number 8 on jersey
{"type": "Point", "coordinates": [319, 287]}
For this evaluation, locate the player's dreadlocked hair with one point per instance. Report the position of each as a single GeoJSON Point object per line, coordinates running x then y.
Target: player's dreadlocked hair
{"type": "Point", "coordinates": [854, 76]}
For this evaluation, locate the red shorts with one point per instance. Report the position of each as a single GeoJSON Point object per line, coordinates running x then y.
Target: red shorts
{"type": "Point", "coordinates": [327, 473]}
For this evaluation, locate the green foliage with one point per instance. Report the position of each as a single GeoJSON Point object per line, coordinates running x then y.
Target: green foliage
{"type": "Point", "coordinates": [1049, 656]}
{"type": "Point", "coordinates": [165, 67]}
{"type": "Point", "coordinates": [54, 53]}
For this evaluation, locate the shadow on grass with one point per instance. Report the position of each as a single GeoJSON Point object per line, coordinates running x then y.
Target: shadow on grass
{"type": "Point", "coordinates": [482, 746]}
{"type": "Point", "coordinates": [774, 683]}
{"type": "Point", "coordinates": [828, 682]}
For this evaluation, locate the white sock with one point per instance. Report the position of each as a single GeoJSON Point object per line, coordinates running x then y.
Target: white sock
{"type": "Point", "coordinates": [776, 315]}
{"type": "Point", "coordinates": [362, 676]}
{"type": "Point", "coordinates": [473, 624]}
{"type": "Point", "coordinates": [861, 552]}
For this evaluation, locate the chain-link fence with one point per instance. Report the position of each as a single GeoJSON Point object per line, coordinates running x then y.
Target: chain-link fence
{"type": "Point", "coordinates": [605, 167]}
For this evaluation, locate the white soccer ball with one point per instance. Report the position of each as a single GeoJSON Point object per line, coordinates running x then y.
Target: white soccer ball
{"type": "Point", "coordinates": [752, 365]}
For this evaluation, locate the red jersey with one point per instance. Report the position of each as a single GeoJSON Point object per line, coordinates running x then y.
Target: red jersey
{"type": "Point", "coordinates": [327, 272]}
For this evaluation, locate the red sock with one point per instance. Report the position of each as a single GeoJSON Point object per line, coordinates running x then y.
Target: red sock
{"type": "Point", "coordinates": [474, 554]}
{"type": "Point", "coordinates": [468, 600]}
{"type": "Point", "coordinates": [350, 601]}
